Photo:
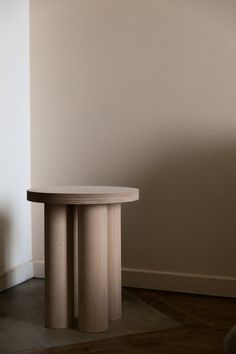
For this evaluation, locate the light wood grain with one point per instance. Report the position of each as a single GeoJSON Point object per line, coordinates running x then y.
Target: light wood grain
{"type": "Point", "coordinates": [76, 286]}
{"type": "Point", "coordinates": [93, 268]}
{"type": "Point", "coordinates": [114, 261]}
{"type": "Point", "coordinates": [87, 218]}
{"type": "Point", "coordinates": [83, 195]}
{"type": "Point", "coordinates": [59, 266]}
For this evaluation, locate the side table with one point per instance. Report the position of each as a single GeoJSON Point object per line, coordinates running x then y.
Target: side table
{"type": "Point", "coordinates": [99, 253]}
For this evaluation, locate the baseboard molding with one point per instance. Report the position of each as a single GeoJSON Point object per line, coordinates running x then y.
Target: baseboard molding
{"type": "Point", "coordinates": [16, 275]}
{"type": "Point", "coordinates": [138, 278]}
{"type": "Point", "coordinates": [38, 269]}
{"type": "Point", "coordinates": [179, 282]}
{"type": "Point", "coordinates": [170, 281]}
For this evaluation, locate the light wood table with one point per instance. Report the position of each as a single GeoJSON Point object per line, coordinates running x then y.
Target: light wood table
{"type": "Point", "coordinates": [99, 253]}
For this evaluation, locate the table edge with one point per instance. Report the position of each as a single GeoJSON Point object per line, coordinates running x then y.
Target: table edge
{"type": "Point", "coordinates": [86, 199]}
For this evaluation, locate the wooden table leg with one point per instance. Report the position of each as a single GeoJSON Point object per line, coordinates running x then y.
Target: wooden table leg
{"type": "Point", "coordinates": [76, 287]}
{"type": "Point", "coordinates": [93, 268]}
{"type": "Point", "coordinates": [114, 261]}
{"type": "Point", "coordinates": [59, 265]}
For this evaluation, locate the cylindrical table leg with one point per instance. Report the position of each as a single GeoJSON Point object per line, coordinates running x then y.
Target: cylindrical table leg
{"type": "Point", "coordinates": [76, 288]}
{"type": "Point", "coordinates": [93, 268]}
{"type": "Point", "coordinates": [59, 265]}
{"type": "Point", "coordinates": [114, 261]}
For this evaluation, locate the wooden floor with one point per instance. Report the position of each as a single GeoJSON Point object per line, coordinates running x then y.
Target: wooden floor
{"type": "Point", "coordinates": [205, 321]}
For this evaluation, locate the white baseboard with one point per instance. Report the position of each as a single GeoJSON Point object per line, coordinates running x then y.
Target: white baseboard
{"type": "Point", "coordinates": [170, 281]}
{"type": "Point", "coordinates": [38, 269]}
{"type": "Point", "coordinates": [16, 275]}
{"type": "Point", "coordinates": [179, 282]}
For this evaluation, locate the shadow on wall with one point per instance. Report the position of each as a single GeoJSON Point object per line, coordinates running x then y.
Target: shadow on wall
{"type": "Point", "coordinates": [186, 218]}
{"type": "Point", "coordinates": [4, 244]}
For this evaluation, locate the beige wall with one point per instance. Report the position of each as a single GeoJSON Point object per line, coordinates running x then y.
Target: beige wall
{"type": "Point", "coordinates": [142, 93]}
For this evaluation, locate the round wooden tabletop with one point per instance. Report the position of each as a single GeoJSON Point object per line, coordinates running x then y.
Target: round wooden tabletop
{"type": "Point", "coordinates": [83, 195]}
